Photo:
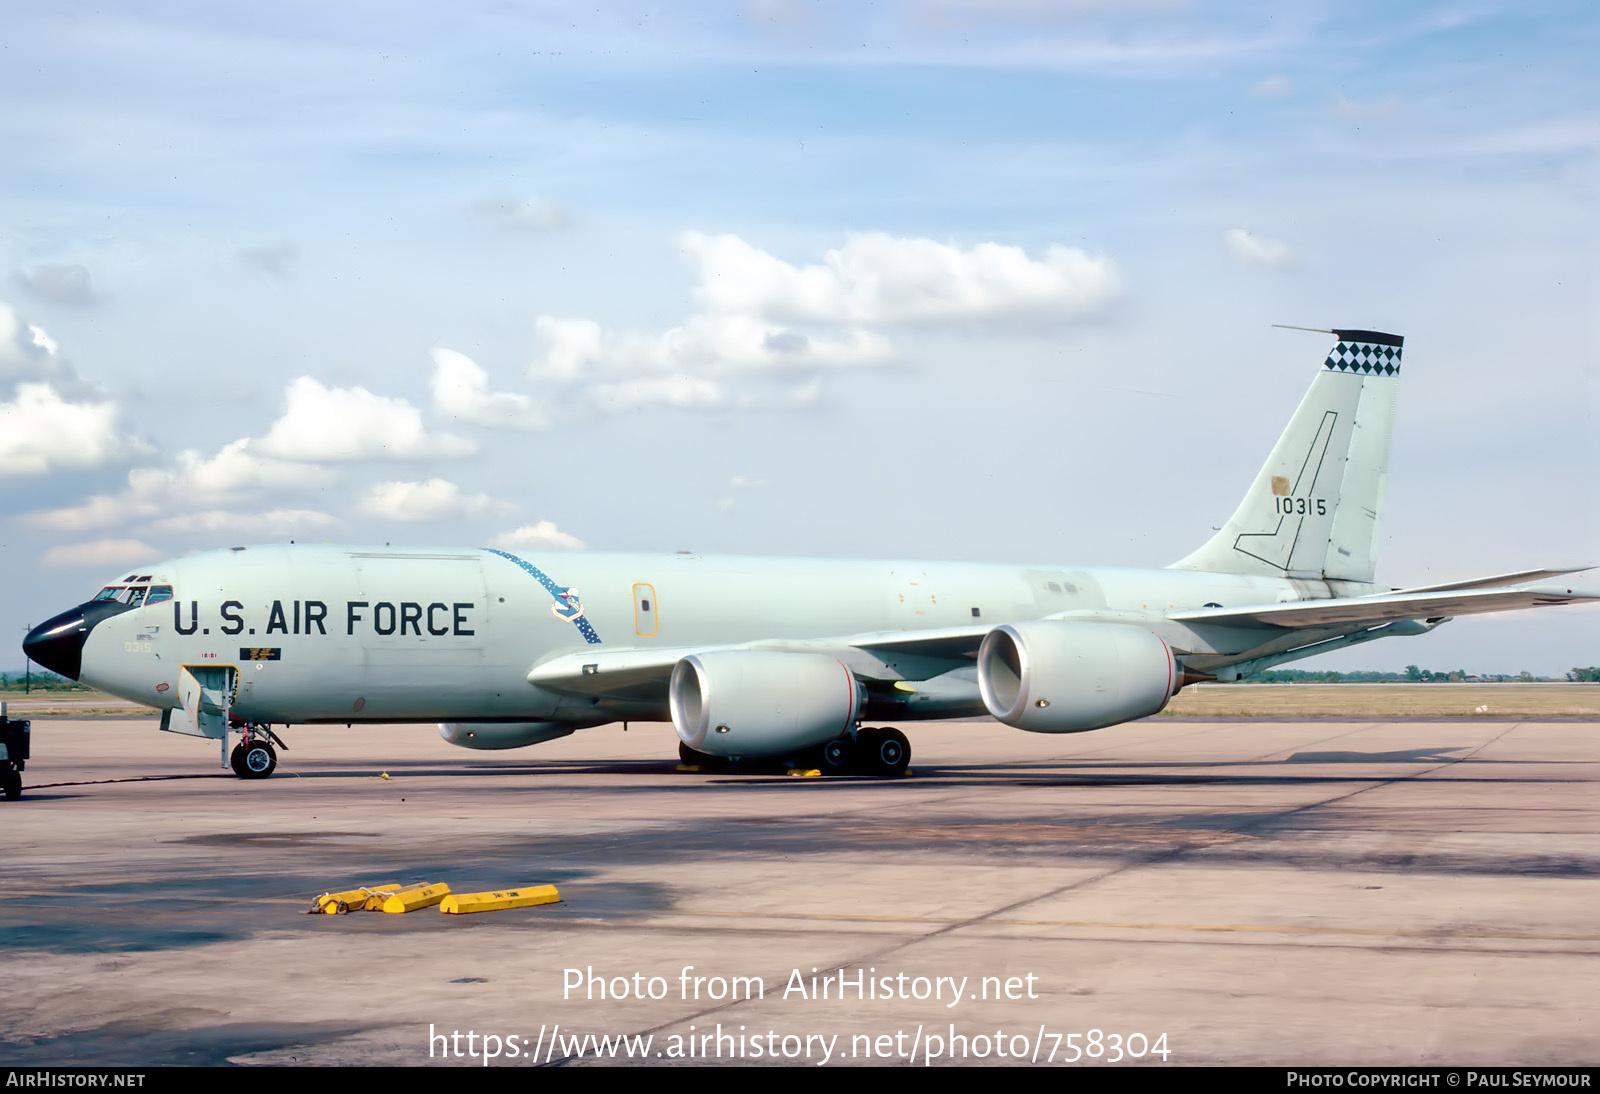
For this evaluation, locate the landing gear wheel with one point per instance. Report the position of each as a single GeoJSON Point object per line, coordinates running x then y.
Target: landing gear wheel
{"type": "Point", "coordinates": [255, 759]}
{"type": "Point", "coordinates": [887, 752]}
{"type": "Point", "coordinates": [837, 756]}
{"type": "Point", "coordinates": [13, 785]}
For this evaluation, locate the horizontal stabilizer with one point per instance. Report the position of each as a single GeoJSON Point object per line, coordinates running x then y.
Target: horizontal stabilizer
{"type": "Point", "coordinates": [1498, 581]}
{"type": "Point", "coordinates": [1406, 604]}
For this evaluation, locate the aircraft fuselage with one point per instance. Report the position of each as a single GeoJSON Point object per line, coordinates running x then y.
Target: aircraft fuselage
{"type": "Point", "coordinates": [334, 634]}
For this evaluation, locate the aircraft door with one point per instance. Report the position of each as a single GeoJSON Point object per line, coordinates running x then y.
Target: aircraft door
{"type": "Point", "coordinates": [644, 610]}
{"type": "Point", "coordinates": [205, 697]}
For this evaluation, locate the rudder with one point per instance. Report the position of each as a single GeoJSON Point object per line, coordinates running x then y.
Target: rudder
{"type": "Point", "coordinates": [1315, 508]}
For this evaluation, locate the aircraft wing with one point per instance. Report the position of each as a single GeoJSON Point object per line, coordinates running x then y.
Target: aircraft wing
{"type": "Point", "coordinates": [641, 672]}
{"type": "Point", "coordinates": [1405, 604]}
{"type": "Point", "coordinates": [881, 655]}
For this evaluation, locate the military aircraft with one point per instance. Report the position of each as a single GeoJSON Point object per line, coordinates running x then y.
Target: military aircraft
{"type": "Point", "coordinates": [775, 657]}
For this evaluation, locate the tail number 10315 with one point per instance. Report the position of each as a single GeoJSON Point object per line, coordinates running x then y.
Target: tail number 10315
{"type": "Point", "coordinates": [1291, 506]}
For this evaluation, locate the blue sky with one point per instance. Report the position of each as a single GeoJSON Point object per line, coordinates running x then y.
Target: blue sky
{"type": "Point", "coordinates": [649, 279]}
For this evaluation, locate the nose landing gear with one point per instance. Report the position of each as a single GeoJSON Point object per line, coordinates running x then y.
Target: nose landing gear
{"type": "Point", "coordinates": [254, 757]}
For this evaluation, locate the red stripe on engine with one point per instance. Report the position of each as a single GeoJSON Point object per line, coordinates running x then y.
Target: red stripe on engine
{"type": "Point", "coordinates": [850, 715]}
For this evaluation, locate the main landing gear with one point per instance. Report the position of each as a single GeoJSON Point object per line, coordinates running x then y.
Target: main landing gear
{"type": "Point", "coordinates": [869, 751]}
{"type": "Point", "coordinates": [254, 757]}
{"type": "Point", "coordinates": [872, 751]}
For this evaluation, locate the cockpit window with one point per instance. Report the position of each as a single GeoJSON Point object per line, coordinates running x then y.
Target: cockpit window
{"type": "Point", "coordinates": [135, 595]}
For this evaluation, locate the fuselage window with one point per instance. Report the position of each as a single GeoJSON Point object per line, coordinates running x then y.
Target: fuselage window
{"type": "Point", "coordinates": [158, 593]}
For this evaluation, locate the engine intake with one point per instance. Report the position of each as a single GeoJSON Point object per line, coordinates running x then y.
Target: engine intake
{"type": "Point", "coordinates": [1052, 676]}
{"type": "Point", "coordinates": [761, 702]}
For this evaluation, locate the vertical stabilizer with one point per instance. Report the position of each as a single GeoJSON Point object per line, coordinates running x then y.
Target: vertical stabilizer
{"type": "Point", "coordinates": [1315, 509]}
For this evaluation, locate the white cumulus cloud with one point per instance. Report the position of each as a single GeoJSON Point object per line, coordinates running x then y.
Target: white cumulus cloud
{"type": "Point", "coordinates": [1257, 250]}
{"type": "Point", "coordinates": [235, 468]}
{"type": "Point", "coordinates": [49, 418]}
{"type": "Point", "coordinates": [42, 432]}
{"type": "Point", "coordinates": [543, 534]}
{"type": "Point", "coordinates": [703, 345]}
{"type": "Point", "coordinates": [876, 278]}
{"type": "Point", "coordinates": [333, 423]}
{"type": "Point", "coordinates": [572, 346]}
{"type": "Point", "coordinates": [26, 351]}
{"type": "Point", "coordinates": [431, 500]}
{"type": "Point", "coordinates": [764, 324]}
{"type": "Point", "coordinates": [461, 391]}
{"type": "Point", "coordinates": [193, 480]}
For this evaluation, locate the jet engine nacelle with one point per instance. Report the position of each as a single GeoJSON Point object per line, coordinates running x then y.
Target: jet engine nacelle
{"type": "Point", "coordinates": [761, 702]}
{"type": "Point", "coordinates": [492, 736]}
{"type": "Point", "coordinates": [1050, 676]}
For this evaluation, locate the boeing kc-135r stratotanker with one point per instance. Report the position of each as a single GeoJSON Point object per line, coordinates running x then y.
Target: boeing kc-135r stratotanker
{"type": "Point", "coordinates": [775, 657]}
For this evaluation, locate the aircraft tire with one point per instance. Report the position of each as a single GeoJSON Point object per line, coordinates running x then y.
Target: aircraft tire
{"type": "Point", "coordinates": [838, 756]}
{"type": "Point", "coordinates": [258, 761]}
{"type": "Point", "coordinates": [236, 760]}
{"type": "Point", "coordinates": [886, 751]}
{"type": "Point", "coordinates": [13, 785]}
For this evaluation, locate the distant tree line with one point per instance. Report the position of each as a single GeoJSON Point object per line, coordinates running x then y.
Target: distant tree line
{"type": "Point", "coordinates": [1411, 675]}
{"type": "Point", "coordinates": [39, 681]}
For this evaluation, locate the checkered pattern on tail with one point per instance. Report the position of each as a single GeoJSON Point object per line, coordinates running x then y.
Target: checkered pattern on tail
{"type": "Point", "coordinates": [1366, 358]}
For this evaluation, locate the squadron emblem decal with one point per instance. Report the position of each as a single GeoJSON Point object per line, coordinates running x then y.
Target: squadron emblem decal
{"type": "Point", "coordinates": [567, 605]}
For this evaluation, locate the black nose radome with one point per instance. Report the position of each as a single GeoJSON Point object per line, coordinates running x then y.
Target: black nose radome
{"type": "Point", "coordinates": [57, 643]}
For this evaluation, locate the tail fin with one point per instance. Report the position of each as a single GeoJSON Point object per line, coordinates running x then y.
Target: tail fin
{"type": "Point", "coordinates": [1316, 506]}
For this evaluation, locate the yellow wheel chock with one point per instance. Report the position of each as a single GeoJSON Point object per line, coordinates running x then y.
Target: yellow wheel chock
{"type": "Point", "coordinates": [391, 896]}
{"type": "Point", "coordinates": [462, 903]}
{"type": "Point", "coordinates": [350, 901]}
{"type": "Point", "coordinates": [413, 897]}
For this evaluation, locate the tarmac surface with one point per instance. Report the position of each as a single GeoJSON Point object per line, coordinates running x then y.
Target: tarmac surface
{"type": "Point", "coordinates": [1319, 893]}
